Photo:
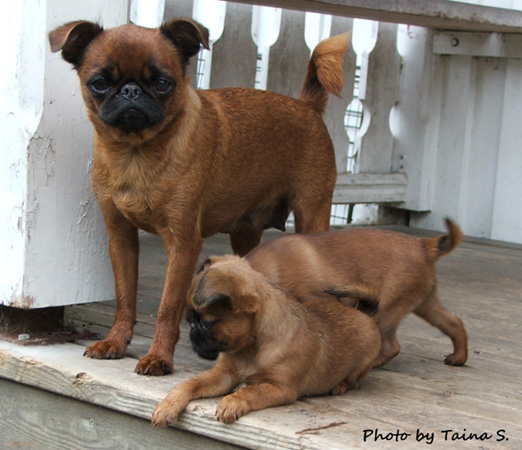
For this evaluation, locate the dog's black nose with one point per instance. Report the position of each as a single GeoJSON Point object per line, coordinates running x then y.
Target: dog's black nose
{"type": "Point", "coordinates": [131, 91]}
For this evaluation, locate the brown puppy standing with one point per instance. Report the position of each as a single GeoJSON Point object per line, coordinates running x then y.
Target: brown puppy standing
{"type": "Point", "coordinates": [396, 269]}
{"type": "Point", "coordinates": [279, 348]}
{"type": "Point", "coordinates": [187, 164]}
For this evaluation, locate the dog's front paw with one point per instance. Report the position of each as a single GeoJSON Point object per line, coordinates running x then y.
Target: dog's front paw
{"type": "Point", "coordinates": [231, 408]}
{"type": "Point", "coordinates": [154, 365]}
{"type": "Point", "coordinates": [456, 359]}
{"type": "Point", "coordinates": [166, 412]}
{"type": "Point", "coordinates": [106, 349]}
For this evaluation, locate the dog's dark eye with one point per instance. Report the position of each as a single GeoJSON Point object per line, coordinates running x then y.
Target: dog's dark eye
{"type": "Point", "coordinates": [206, 325]}
{"type": "Point", "coordinates": [197, 322]}
{"type": "Point", "coordinates": [162, 86]}
{"type": "Point", "coordinates": [100, 85]}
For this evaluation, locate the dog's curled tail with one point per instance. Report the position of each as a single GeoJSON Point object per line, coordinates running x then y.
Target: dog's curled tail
{"type": "Point", "coordinates": [442, 245]}
{"type": "Point", "coordinates": [325, 72]}
{"type": "Point", "coordinates": [362, 297]}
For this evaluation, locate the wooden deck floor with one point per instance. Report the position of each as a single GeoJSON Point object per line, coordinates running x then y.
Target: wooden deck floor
{"type": "Point", "coordinates": [414, 394]}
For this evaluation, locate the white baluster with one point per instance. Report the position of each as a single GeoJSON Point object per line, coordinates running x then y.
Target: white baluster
{"type": "Point", "coordinates": [210, 13]}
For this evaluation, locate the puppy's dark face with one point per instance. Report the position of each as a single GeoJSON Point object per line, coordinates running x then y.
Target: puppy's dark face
{"type": "Point", "coordinates": [220, 312]}
{"type": "Point", "coordinates": [133, 78]}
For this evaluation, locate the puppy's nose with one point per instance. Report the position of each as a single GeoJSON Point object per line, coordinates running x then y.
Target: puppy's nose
{"type": "Point", "coordinates": [131, 91]}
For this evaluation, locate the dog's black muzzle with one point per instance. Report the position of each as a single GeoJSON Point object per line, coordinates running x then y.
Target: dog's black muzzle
{"type": "Point", "coordinates": [202, 342]}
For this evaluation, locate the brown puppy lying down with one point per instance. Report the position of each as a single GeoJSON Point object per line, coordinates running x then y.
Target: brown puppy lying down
{"type": "Point", "coordinates": [394, 268]}
{"type": "Point", "coordinates": [279, 348]}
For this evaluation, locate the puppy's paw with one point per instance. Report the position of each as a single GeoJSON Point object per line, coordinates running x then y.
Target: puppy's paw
{"type": "Point", "coordinates": [231, 408]}
{"type": "Point", "coordinates": [343, 387]}
{"type": "Point", "coordinates": [106, 349]}
{"type": "Point", "coordinates": [154, 365]}
{"type": "Point", "coordinates": [455, 359]}
{"type": "Point", "coordinates": [166, 412]}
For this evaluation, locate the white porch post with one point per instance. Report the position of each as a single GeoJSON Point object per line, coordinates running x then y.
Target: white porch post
{"type": "Point", "coordinates": [53, 248]}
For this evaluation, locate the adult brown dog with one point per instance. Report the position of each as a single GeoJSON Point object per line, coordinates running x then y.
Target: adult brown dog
{"type": "Point", "coordinates": [279, 348]}
{"type": "Point", "coordinates": [187, 164]}
{"type": "Point", "coordinates": [393, 268]}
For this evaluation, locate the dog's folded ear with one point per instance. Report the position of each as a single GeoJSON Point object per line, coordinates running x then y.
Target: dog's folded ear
{"type": "Point", "coordinates": [187, 35]}
{"type": "Point", "coordinates": [220, 299]}
{"type": "Point", "coordinates": [248, 303]}
{"type": "Point", "coordinates": [206, 263]}
{"type": "Point", "coordinates": [72, 39]}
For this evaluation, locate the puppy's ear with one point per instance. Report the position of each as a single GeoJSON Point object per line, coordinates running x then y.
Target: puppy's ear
{"type": "Point", "coordinates": [248, 302]}
{"type": "Point", "coordinates": [220, 299]}
{"type": "Point", "coordinates": [203, 266]}
{"type": "Point", "coordinates": [72, 39]}
{"type": "Point", "coordinates": [187, 35]}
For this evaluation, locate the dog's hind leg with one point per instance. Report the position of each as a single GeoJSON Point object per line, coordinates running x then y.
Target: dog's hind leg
{"type": "Point", "coordinates": [434, 312]}
{"type": "Point", "coordinates": [244, 240]}
{"type": "Point", "coordinates": [387, 323]}
{"type": "Point", "coordinates": [352, 380]}
{"type": "Point", "coordinates": [390, 348]}
{"type": "Point", "coordinates": [312, 218]}
{"type": "Point", "coordinates": [344, 386]}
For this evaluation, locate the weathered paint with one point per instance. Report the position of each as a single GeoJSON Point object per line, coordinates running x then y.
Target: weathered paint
{"type": "Point", "coordinates": [52, 240]}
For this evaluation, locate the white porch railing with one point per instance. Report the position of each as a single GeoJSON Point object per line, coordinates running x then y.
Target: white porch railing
{"type": "Point", "coordinates": [440, 132]}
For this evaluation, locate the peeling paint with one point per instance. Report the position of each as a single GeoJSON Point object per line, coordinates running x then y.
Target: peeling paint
{"type": "Point", "coordinates": [22, 301]}
{"type": "Point", "coordinates": [84, 210]}
{"type": "Point", "coordinates": [49, 160]}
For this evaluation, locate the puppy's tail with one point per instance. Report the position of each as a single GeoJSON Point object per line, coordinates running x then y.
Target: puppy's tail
{"type": "Point", "coordinates": [441, 245]}
{"type": "Point", "coordinates": [325, 72]}
{"type": "Point", "coordinates": [361, 297]}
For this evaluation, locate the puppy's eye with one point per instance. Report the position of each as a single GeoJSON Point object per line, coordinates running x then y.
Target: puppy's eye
{"type": "Point", "coordinates": [100, 85]}
{"type": "Point", "coordinates": [162, 86]}
{"type": "Point", "coordinates": [206, 325]}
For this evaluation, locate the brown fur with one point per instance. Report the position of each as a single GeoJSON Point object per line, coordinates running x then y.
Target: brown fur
{"type": "Point", "coordinates": [278, 348]}
{"type": "Point", "coordinates": [227, 160]}
{"type": "Point", "coordinates": [392, 269]}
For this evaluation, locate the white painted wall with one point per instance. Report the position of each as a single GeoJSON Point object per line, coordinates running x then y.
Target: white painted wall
{"type": "Point", "coordinates": [465, 159]}
{"type": "Point", "coordinates": [20, 113]}
{"type": "Point", "coordinates": [52, 241]}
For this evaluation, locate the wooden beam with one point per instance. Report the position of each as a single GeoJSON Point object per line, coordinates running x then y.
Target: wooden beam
{"type": "Point", "coordinates": [35, 418]}
{"type": "Point", "coordinates": [436, 14]}
{"type": "Point", "coordinates": [370, 188]}
{"type": "Point", "coordinates": [493, 45]}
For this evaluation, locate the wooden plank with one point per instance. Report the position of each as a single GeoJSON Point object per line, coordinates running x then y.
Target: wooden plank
{"type": "Point", "coordinates": [375, 140]}
{"type": "Point", "coordinates": [370, 188]}
{"type": "Point", "coordinates": [418, 113]}
{"type": "Point", "coordinates": [494, 45]}
{"type": "Point", "coordinates": [288, 56]}
{"type": "Point", "coordinates": [33, 419]}
{"type": "Point", "coordinates": [481, 177]}
{"type": "Point", "coordinates": [113, 385]}
{"type": "Point", "coordinates": [233, 64]}
{"type": "Point", "coordinates": [437, 14]}
{"type": "Point", "coordinates": [508, 201]}
{"type": "Point", "coordinates": [322, 422]}
{"type": "Point", "coordinates": [455, 135]}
